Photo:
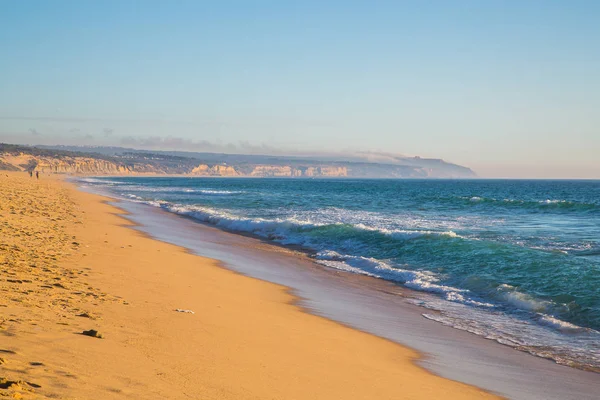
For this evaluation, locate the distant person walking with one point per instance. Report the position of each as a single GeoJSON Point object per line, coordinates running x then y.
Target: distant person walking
{"type": "Point", "coordinates": [31, 174]}
{"type": "Point", "coordinates": [37, 174]}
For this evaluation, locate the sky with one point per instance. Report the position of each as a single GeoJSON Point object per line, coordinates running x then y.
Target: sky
{"type": "Point", "coordinates": [508, 88]}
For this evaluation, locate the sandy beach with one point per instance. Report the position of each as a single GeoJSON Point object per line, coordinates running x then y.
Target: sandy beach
{"type": "Point", "coordinates": [71, 264]}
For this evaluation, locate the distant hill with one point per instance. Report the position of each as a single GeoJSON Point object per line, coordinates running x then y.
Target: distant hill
{"type": "Point", "coordinates": [117, 160]}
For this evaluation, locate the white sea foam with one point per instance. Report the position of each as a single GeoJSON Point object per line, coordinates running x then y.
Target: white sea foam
{"type": "Point", "coordinates": [219, 192]}
{"type": "Point", "coordinates": [407, 222]}
{"type": "Point", "coordinates": [544, 202]}
{"type": "Point", "coordinates": [404, 233]}
{"type": "Point", "coordinates": [580, 347]}
{"type": "Point", "coordinates": [425, 281]}
{"type": "Point", "coordinates": [289, 231]}
{"type": "Point", "coordinates": [276, 229]}
{"type": "Point", "coordinates": [97, 181]}
{"type": "Point", "coordinates": [175, 189]}
{"type": "Point", "coordinates": [556, 323]}
{"type": "Point", "coordinates": [548, 201]}
{"type": "Point", "coordinates": [286, 228]}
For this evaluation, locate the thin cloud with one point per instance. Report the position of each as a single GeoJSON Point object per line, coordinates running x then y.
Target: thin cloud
{"type": "Point", "coordinates": [171, 142]}
{"type": "Point", "coordinates": [262, 148]}
{"type": "Point", "coordinates": [104, 121]}
{"type": "Point", "coordinates": [239, 121]}
{"type": "Point", "coordinates": [179, 143]}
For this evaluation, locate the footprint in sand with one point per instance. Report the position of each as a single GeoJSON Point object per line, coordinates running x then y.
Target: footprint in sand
{"type": "Point", "coordinates": [36, 364]}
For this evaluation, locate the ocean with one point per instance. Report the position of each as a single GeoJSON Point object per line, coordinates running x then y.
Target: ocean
{"type": "Point", "coordinates": [514, 261]}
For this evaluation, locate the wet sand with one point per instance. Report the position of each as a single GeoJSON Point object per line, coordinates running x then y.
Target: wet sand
{"type": "Point", "coordinates": [376, 306]}
{"type": "Point", "coordinates": [70, 264]}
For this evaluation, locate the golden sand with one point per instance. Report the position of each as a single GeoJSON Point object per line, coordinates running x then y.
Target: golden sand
{"type": "Point", "coordinates": [70, 264]}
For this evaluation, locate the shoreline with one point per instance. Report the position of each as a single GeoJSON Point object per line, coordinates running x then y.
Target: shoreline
{"type": "Point", "coordinates": [245, 339]}
{"type": "Point", "coordinates": [434, 307]}
{"type": "Point", "coordinates": [447, 352]}
{"type": "Point", "coordinates": [153, 175]}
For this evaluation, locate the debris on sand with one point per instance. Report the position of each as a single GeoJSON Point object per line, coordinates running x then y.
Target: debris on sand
{"type": "Point", "coordinates": [93, 333]}
{"type": "Point", "coordinates": [17, 385]}
{"type": "Point", "coordinates": [86, 315]}
{"type": "Point", "coordinates": [184, 311]}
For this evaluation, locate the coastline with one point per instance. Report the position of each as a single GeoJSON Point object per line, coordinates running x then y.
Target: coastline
{"type": "Point", "coordinates": [246, 338]}
{"type": "Point", "coordinates": [372, 305]}
{"type": "Point", "coordinates": [377, 307]}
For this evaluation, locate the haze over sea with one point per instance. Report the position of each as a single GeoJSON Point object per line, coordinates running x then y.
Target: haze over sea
{"type": "Point", "coordinates": [514, 261]}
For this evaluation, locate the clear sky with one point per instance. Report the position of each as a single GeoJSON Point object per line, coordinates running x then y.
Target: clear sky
{"type": "Point", "coordinates": [508, 88]}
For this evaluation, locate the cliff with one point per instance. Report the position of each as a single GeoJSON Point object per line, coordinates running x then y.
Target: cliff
{"type": "Point", "coordinates": [118, 161]}
{"type": "Point", "coordinates": [71, 165]}
{"type": "Point", "coordinates": [283, 171]}
{"type": "Point", "coordinates": [215, 170]}
{"type": "Point", "coordinates": [81, 166]}
{"type": "Point", "coordinates": [327, 171]}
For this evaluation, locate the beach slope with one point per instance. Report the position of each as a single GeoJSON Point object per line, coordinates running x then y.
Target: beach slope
{"type": "Point", "coordinates": [70, 263]}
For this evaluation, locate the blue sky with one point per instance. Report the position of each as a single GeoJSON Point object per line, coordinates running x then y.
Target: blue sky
{"type": "Point", "coordinates": [509, 88]}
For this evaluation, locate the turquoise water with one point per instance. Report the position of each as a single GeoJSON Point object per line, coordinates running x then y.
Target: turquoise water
{"type": "Point", "coordinates": [514, 261]}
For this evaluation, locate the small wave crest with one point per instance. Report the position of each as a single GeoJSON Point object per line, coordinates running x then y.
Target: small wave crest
{"type": "Point", "coordinates": [405, 233]}
{"type": "Point", "coordinates": [215, 192]}
{"type": "Point", "coordinates": [520, 300]}
{"type": "Point", "coordinates": [291, 229]}
{"type": "Point", "coordinates": [133, 196]}
{"type": "Point", "coordinates": [560, 325]}
{"type": "Point", "coordinates": [177, 189]}
{"type": "Point", "coordinates": [543, 204]}
{"type": "Point", "coordinates": [424, 281]}
{"type": "Point", "coordinates": [548, 201]}
{"type": "Point", "coordinates": [99, 181]}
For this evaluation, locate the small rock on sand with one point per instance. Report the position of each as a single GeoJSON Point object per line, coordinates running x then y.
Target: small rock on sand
{"type": "Point", "coordinates": [17, 385]}
{"type": "Point", "coordinates": [93, 333]}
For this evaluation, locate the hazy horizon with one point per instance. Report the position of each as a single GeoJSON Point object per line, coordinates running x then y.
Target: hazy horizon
{"type": "Point", "coordinates": [509, 89]}
{"type": "Point", "coordinates": [368, 156]}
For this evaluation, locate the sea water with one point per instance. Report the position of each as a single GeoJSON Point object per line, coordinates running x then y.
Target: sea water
{"type": "Point", "coordinates": [514, 261]}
